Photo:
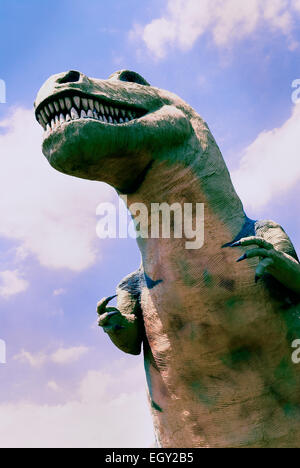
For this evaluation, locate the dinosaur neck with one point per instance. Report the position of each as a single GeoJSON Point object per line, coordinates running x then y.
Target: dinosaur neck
{"type": "Point", "coordinates": [193, 173]}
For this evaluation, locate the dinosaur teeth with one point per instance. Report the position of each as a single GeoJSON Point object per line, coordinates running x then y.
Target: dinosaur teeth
{"type": "Point", "coordinates": [41, 122]}
{"type": "Point", "coordinates": [67, 109]}
{"type": "Point", "coordinates": [68, 103]}
{"type": "Point", "coordinates": [85, 104]}
{"type": "Point", "coordinates": [74, 114]}
{"type": "Point", "coordinates": [44, 117]}
{"type": "Point", "coordinates": [77, 101]}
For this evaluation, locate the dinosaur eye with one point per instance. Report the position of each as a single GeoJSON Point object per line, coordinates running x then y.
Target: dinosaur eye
{"type": "Point", "coordinates": [130, 76]}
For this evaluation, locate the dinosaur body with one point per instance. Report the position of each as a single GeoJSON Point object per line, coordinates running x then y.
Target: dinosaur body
{"type": "Point", "coordinates": [217, 344]}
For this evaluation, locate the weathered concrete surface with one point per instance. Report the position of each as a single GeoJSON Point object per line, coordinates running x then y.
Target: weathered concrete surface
{"type": "Point", "coordinates": [217, 343]}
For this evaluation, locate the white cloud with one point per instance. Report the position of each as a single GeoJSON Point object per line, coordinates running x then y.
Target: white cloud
{"type": "Point", "coordinates": [226, 20]}
{"type": "Point", "coordinates": [36, 360]}
{"type": "Point", "coordinates": [270, 165]}
{"type": "Point", "coordinates": [12, 283]}
{"type": "Point", "coordinates": [61, 356]}
{"type": "Point", "coordinates": [50, 214]}
{"type": "Point", "coordinates": [59, 292]}
{"type": "Point", "coordinates": [98, 416]}
{"type": "Point", "coordinates": [52, 385]}
{"type": "Point", "coordinates": [68, 355]}
{"type": "Point", "coordinates": [296, 4]}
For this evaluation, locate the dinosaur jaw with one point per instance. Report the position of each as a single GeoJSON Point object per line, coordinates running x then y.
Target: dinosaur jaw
{"type": "Point", "coordinates": [64, 108]}
{"type": "Point", "coordinates": [92, 138]}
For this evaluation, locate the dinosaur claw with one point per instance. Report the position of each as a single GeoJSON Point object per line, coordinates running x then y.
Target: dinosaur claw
{"type": "Point", "coordinates": [102, 307]}
{"type": "Point", "coordinates": [236, 244]}
{"type": "Point", "coordinates": [243, 257]}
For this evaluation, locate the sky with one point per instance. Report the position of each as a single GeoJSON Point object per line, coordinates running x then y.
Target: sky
{"type": "Point", "coordinates": [64, 384]}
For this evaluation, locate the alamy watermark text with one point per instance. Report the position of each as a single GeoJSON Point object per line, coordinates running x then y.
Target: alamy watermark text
{"type": "Point", "coordinates": [2, 92]}
{"type": "Point", "coordinates": [296, 93]}
{"type": "Point", "coordinates": [2, 352]}
{"type": "Point", "coordinates": [296, 353]}
{"type": "Point", "coordinates": [157, 220]}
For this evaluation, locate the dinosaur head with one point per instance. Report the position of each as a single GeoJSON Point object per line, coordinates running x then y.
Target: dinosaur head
{"type": "Point", "coordinates": [108, 130]}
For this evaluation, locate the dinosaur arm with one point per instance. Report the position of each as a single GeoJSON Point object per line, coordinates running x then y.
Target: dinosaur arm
{"type": "Point", "coordinates": [124, 323]}
{"type": "Point", "coordinates": [282, 266]}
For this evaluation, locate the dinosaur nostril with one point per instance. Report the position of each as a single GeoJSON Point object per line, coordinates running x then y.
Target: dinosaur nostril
{"type": "Point", "coordinates": [71, 77]}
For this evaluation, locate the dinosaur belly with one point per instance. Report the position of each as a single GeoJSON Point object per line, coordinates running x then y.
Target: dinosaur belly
{"type": "Point", "coordinates": [219, 362]}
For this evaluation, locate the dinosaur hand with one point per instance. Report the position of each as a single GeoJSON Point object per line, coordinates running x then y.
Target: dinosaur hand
{"type": "Point", "coordinates": [110, 318]}
{"type": "Point", "coordinates": [280, 265]}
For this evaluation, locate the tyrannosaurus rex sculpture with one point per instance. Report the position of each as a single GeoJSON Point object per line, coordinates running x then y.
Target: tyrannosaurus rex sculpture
{"type": "Point", "coordinates": [217, 334]}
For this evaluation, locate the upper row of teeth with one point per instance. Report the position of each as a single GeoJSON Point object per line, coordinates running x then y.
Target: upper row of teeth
{"type": "Point", "coordinates": [67, 109]}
